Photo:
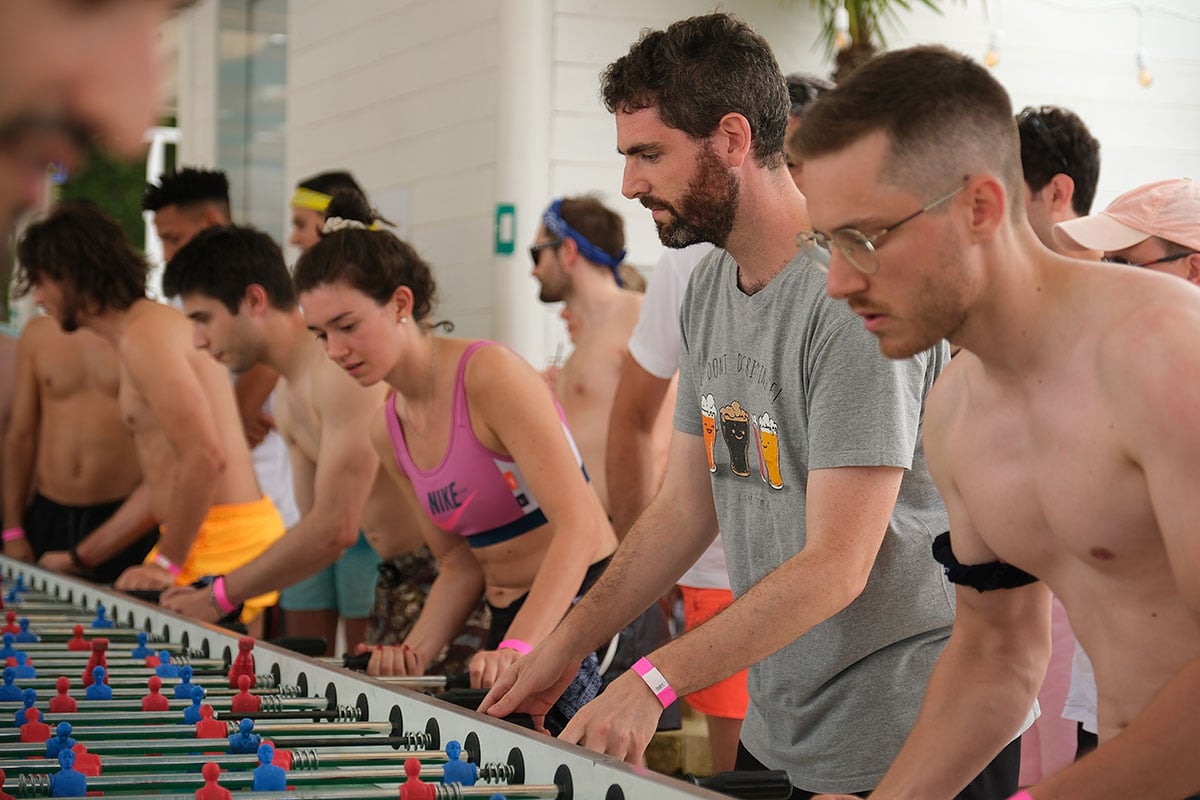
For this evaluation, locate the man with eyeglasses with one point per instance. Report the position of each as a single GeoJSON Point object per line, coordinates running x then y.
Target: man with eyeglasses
{"type": "Point", "coordinates": [1065, 436]}
{"type": "Point", "coordinates": [1155, 226]}
{"type": "Point", "coordinates": [793, 436]}
{"type": "Point", "coordinates": [1060, 160]}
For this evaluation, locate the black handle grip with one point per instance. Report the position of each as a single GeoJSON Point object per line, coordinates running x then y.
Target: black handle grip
{"type": "Point", "coordinates": [356, 661]}
{"type": "Point", "coordinates": [748, 784]}
{"type": "Point", "coordinates": [471, 698]}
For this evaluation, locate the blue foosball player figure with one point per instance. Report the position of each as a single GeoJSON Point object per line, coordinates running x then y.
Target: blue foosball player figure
{"type": "Point", "coordinates": [9, 691]}
{"type": "Point", "coordinates": [61, 740]}
{"type": "Point", "coordinates": [68, 782]}
{"type": "Point", "coordinates": [165, 668]}
{"type": "Point", "coordinates": [456, 770]}
{"type": "Point", "coordinates": [183, 689]}
{"type": "Point", "coordinates": [24, 670]}
{"type": "Point", "coordinates": [28, 698]}
{"type": "Point", "coordinates": [8, 651]}
{"type": "Point", "coordinates": [245, 741]}
{"type": "Point", "coordinates": [191, 714]}
{"type": "Point", "coordinates": [99, 690]}
{"type": "Point", "coordinates": [267, 776]}
{"type": "Point", "coordinates": [141, 651]}
{"type": "Point", "coordinates": [102, 620]}
{"type": "Point", "coordinates": [26, 635]}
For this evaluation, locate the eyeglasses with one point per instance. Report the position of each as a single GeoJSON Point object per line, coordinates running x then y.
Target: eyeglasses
{"type": "Point", "coordinates": [536, 249]}
{"type": "Point", "coordinates": [856, 246]}
{"type": "Point", "coordinates": [1034, 117]}
{"type": "Point", "coordinates": [1163, 260]}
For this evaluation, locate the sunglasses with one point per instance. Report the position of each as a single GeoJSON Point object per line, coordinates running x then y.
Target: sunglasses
{"type": "Point", "coordinates": [535, 250]}
{"type": "Point", "coordinates": [1163, 260]}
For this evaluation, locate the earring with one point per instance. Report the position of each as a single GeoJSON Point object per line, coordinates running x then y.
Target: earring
{"type": "Point", "coordinates": [403, 320]}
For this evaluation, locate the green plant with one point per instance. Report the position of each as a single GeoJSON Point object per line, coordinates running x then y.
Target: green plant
{"type": "Point", "coordinates": [869, 22]}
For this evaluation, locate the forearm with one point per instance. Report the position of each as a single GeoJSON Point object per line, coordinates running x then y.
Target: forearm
{"type": "Point", "coordinates": [974, 705]}
{"type": "Point", "coordinates": [192, 495]}
{"type": "Point", "coordinates": [633, 478]}
{"type": "Point", "coordinates": [20, 455]}
{"type": "Point", "coordinates": [454, 594]}
{"type": "Point", "coordinates": [667, 539]}
{"type": "Point", "coordinates": [813, 587]}
{"type": "Point", "coordinates": [556, 585]}
{"type": "Point", "coordinates": [1154, 758]}
{"type": "Point", "coordinates": [128, 523]}
{"type": "Point", "coordinates": [311, 545]}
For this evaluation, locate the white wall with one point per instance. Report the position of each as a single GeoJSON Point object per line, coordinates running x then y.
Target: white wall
{"type": "Point", "coordinates": [441, 103]}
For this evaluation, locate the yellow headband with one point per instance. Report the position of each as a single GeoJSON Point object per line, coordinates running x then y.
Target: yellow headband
{"type": "Point", "coordinates": [307, 198]}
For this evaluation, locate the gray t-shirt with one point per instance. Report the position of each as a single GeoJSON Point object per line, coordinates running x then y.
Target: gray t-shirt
{"type": "Point", "coordinates": [788, 380]}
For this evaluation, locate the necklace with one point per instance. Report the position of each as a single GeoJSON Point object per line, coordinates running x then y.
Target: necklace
{"type": "Point", "coordinates": [429, 397]}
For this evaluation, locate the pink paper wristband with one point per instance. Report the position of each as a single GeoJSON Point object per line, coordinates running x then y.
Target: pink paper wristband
{"type": "Point", "coordinates": [515, 644]}
{"type": "Point", "coordinates": [218, 593]}
{"type": "Point", "coordinates": [1022, 795]}
{"type": "Point", "coordinates": [12, 534]}
{"type": "Point", "coordinates": [167, 564]}
{"type": "Point", "coordinates": [655, 680]}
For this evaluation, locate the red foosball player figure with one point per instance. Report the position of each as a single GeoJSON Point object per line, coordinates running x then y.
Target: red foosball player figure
{"type": "Point", "coordinates": [209, 728]}
{"type": "Point", "coordinates": [211, 790]}
{"type": "Point", "coordinates": [34, 731]}
{"type": "Point", "coordinates": [77, 643]}
{"type": "Point", "coordinates": [11, 626]}
{"type": "Point", "coordinates": [413, 787]}
{"type": "Point", "coordinates": [99, 659]}
{"type": "Point", "coordinates": [155, 701]}
{"type": "Point", "coordinates": [244, 663]}
{"type": "Point", "coordinates": [3, 794]}
{"type": "Point", "coordinates": [244, 702]}
{"type": "Point", "coordinates": [63, 703]}
{"type": "Point", "coordinates": [85, 762]}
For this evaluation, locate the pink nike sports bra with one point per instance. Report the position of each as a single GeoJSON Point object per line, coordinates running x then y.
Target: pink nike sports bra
{"type": "Point", "coordinates": [474, 492]}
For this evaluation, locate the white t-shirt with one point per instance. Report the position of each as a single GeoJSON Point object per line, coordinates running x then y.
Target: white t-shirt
{"type": "Point", "coordinates": [655, 347]}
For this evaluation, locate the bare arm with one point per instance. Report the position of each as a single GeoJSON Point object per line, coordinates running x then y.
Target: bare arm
{"type": "Point", "coordinates": [666, 539]}
{"type": "Point", "coordinates": [338, 485]}
{"type": "Point", "coordinates": [20, 441]}
{"type": "Point", "coordinates": [509, 397]}
{"type": "Point", "coordinates": [632, 468]}
{"type": "Point", "coordinates": [179, 403]}
{"type": "Point", "coordinates": [252, 389]}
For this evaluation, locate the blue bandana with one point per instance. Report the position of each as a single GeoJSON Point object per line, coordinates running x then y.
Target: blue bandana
{"type": "Point", "coordinates": [558, 227]}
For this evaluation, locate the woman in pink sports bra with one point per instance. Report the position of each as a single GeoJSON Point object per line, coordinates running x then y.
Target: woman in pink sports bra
{"type": "Point", "coordinates": [477, 443]}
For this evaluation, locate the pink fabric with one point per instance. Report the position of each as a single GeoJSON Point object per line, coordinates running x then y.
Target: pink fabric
{"type": "Point", "coordinates": [1049, 745]}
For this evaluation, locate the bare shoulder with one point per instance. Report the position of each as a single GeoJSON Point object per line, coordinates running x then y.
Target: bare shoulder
{"type": "Point", "coordinates": [493, 367]}
{"type": "Point", "coordinates": [155, 332]}
{"type": "Point", "coordinates": [37, 329]}
{"type": "Point", "coordinates": [334, 394]}
{"type": "Point", "coordinates": [1148, 338]}
{"type": "Point", "coordinates": [948, 395]}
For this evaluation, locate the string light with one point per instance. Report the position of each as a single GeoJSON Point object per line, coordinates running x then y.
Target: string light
{"type": "Point", "coordinates": [1144, 76]}
{"type": "Point", "coordinates": [841, 28]}
{"type": "Point", "coordinates": [992, 57]}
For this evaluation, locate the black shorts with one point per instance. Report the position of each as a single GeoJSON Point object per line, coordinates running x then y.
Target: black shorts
{"type": "Point", "coordinates": [53, 526]}
{"type": "Point", "coordinates": [998, 780]}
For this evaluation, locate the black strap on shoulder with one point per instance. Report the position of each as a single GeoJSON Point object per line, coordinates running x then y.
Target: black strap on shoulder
{"type": "Point", "coordinates": [980, 577]}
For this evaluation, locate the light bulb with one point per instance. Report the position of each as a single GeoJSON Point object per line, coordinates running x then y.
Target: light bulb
{"type": "Point", "coordinates": [841, 28]}
{"type": "Point", "coordinates": [1144, 76]}
{"type": "Point", "coordinates": [992, 56]}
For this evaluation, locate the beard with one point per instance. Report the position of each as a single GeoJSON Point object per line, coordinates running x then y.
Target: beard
{"type": "Point", "coordinates": [706, 211]}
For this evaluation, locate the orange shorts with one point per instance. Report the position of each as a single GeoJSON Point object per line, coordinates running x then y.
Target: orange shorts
{"type": "Point", "coordinates": [727, 698]}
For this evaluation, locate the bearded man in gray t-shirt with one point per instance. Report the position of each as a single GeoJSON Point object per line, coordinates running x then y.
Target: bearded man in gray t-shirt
{"type": "Point", "coordinates": [818, 482]}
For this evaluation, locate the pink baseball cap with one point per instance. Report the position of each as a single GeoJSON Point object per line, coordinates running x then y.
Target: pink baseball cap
{"type": "Point", "coordinates": [1167, 209]}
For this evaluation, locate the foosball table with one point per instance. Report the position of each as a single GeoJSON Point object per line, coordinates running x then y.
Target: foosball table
{"type": "Point", "coordinates": [183, 709]}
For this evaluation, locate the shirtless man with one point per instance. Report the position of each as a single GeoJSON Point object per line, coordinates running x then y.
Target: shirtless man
{"type": "Point", "coordinates": [70, 459]}
{"type": "Point", "coordinates": [178, 403]}
{"type": "Point", "coordinates": [237, 291]}
{"type": "Point", "coordinates": [579, 247]}
{"type": "Point", "coordinates": [1063, 437]}
{"type": "Point", "coordinates": [72, 75]}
